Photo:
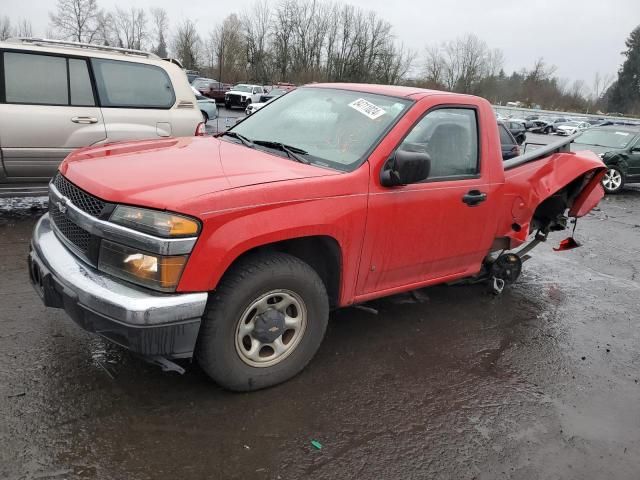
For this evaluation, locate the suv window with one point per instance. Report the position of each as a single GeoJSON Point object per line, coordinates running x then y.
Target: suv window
{"type": "Point", "coordinates": [45, 80]}
{"type": "Point", "coordinates": [80, 83]}
{"type": "Point", "coordinates": [450, 137]}
{"type": "Point", "coordinates": [133, 85]}
{"type": "Point", "coordinates": [35, 79]}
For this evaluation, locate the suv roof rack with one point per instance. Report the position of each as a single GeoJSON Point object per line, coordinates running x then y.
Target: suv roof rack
{"type": "Point", "coordinates": [89, 46]}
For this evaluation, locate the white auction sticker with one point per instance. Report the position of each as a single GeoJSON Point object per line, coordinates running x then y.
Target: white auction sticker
{"type": "Point", "coordinates": [367, 108]}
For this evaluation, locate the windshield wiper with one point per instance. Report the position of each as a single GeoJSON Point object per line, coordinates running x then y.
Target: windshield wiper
{"type": "Point", "coordinates": [292, 152]}
{"type": "Point", "coordinates": [245, 141]}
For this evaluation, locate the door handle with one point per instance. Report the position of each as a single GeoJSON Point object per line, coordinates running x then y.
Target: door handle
{"type": "Point", "coordinates": [474, 197]}
{"type": "Point", "coordinates": [84, 120]}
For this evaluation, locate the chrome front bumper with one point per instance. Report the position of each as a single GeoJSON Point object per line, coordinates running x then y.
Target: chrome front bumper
{"type": "Point", "coordinates": [146, 322]}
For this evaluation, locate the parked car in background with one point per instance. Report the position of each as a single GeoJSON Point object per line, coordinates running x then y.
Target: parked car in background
{"type": "Point", "coordinates": [285, 86]}
{"type": "Point", "coordinates": [547, 125]}
{"type": "Point", "coordinates": [211, 88]}
{"type": "Point", "coordinates": [254, 107]}
{"type": "Point", "coordinates": [192, 75]}
{"type": "Point", "coordinates": [242, 95]}
{"type": "Point", "coordinates": [271, 94]}
{"type": "Point", "coordinates": [58, 96]}
{"type": "Point", "coordinates": [619, 149]}
{"type": "Point", "coordinates": [207, 107]}
{"type": "Point", "coordinates": [571, 128]}
{"type": "Point", "coordinates": [509, 146]}
{"type": "Point", "coordinates": [517, 129]}
{"type": "Point", "coordinates": [235, 248]}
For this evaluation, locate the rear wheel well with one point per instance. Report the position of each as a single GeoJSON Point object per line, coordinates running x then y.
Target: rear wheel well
{"type": "Point", "coordinates": [550, 214]}
{"type": "Point", "coordinates": [322, 253]}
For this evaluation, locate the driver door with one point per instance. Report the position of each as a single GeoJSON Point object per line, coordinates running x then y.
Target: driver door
{"type": "Point", "coordinates": [438, 228]}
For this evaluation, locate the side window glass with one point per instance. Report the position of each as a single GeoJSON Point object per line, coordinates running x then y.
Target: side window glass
{"type": "Point", "coordinates": [450, 137]}
{"type": "Point", "coordinates": [81, 92]}
{"type": "Point", "coordinates": [134, 85]}
{"type": "Point", "coordinates": [505, 138]}
{"type": "Point", "coordinates": [35, 79]}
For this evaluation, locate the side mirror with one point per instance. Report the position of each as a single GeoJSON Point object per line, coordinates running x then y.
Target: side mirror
{"type": "Point", "coordinates": [405, 167]}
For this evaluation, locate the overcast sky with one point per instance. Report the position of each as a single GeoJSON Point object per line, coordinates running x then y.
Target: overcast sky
{"type": "Point", "coordinates": [580, 37]}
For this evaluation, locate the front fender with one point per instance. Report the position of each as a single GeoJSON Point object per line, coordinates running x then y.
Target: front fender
{"type": "Point", "coordinates": [229, 235]}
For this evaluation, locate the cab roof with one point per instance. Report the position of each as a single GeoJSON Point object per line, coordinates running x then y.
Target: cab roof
{"type": "Point", "coordinates": [389, 90]}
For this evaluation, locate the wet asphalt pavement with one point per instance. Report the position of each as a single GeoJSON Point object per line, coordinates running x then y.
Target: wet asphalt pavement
{"type": "Point", "coordinates": [541, 382]}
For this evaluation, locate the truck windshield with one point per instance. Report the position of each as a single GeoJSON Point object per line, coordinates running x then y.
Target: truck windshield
{"type": "Point", "coordinates": [242, 88]}
{"type": "Point", "coordinates": [335, 128]}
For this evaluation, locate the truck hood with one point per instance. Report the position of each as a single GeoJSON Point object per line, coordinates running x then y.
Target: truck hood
{"type": "Point", "coordinates": [166, 173]}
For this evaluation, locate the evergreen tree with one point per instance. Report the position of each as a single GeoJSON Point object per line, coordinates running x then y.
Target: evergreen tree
{"type": "Point", "coordinates": [624, 95]}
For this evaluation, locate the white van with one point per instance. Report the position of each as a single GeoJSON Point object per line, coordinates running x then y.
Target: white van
{"type": "Point", "coordinates": [56, 96]}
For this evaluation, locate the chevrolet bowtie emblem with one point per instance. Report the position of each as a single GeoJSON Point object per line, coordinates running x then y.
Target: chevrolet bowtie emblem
{"type": "Point", "coordinates": [62, 205]}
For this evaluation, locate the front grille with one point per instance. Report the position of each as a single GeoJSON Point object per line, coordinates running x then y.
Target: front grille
{"type": "Point", "coordinates": [234, 99]}
{"type": "Point", "coordinates": [77, 236]}
{"type": "Point", "coordinates": [81, 199]}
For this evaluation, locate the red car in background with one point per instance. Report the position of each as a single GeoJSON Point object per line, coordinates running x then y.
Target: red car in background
{"type": "Point", "coordinates": [211, 88]}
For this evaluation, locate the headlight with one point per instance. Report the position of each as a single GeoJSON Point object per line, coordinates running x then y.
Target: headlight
{"type": "Point", "coordinates": [146, 269]}
{"type": "Point", "coordinates": [154, 222]}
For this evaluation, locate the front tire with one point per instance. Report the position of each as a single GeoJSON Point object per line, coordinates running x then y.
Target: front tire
{"type": "Point", "coordinates": [264, 322]}
{"type": "Point", "coordinates": [613, 180]}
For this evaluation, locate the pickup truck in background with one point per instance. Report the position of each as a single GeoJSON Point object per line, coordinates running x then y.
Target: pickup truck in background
{"type": "Point", "coordinates": [212, 88]}
{"type": "Point", "coordinates": [234, 248]}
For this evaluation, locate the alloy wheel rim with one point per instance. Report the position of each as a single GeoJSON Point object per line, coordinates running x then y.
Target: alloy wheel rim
{"type": "Point", "coordinates": [270, 328]}
{"type": "Point", "coordinates": [612, 179]}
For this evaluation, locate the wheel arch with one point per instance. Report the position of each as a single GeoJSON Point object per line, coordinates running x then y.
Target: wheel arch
{"type": "Point", "coordinates": [321, 252]}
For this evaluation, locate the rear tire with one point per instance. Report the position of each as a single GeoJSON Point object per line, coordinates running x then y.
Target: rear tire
{"type": "Point", "coordinates": [263, 296]}
{"type": "Point", "coordinates": [613, 180]}
{"type": "Point", "coordinates": [547, 130]}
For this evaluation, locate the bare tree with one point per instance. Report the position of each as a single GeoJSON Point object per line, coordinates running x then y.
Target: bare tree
{"type": "Point", "coordinates": [160, 20]}
{"type": "Point", "coordinates": [75, 19]}
{"type": "Point", "coordinates": [24, 28]}
{"type": "Point", "coordinates": [187, 44]}
{"type": "Point", "coordinates": [256, 26]}
{"type": "Point", "coordinates": [130, 27]}
{"type": "Point", "coordinates": [6, 31]}
{"type": "Point", "coordinates": [434, 66]}
{"type": "Point", "coordinates": [600, 84]}
{"type": "Point", "coordinates": [227, 45]}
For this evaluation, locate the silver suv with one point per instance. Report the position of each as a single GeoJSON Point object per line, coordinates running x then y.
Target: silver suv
{"type": "Point", "coordinates": [57, 96]}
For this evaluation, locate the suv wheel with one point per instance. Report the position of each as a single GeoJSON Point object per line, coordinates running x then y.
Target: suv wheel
{"type": "Point", "coordinates": [227, 105]}
{"type": "Point", "coordinates": [264, 322]}
{"type": "Point", "coordinates": [613, 180]}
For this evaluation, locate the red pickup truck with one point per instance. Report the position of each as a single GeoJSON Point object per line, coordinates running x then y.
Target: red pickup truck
{"type": "Point", "coordinates": [234, 249]}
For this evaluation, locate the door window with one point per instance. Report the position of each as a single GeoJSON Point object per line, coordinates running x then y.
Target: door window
{"type": "Point", "coordinates": [132, 85]}
{"type": "Point", "coordinates": [35, 79]}
{"type": "Point", "coordinates": [45, 80]}
{"type": "Point", "coordinates": [81, 91]}
{"type": "Point", "coordinates": [450, 137]}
